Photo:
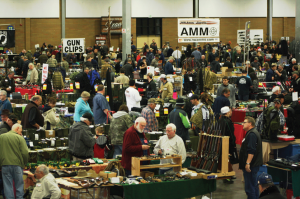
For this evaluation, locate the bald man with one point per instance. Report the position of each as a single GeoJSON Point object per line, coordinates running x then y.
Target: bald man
{"type": "Point", "coordinates": [135, 144]}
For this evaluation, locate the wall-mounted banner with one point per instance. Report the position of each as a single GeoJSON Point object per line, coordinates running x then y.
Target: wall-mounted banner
{"type": "Point", "coordinates": [201, 29]}
{"type": "Point", "coordinates": [73, 45]}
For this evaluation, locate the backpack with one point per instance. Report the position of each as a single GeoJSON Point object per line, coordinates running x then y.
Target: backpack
{"type": "Point", "coordinates": [72, 77]}
{"type": "Point", "coordinates": [271, 126]}
{"type": "Point", "coordinates": [93, 75]}
{"type": "Point", "coordinates": [57, 80]}
{"type": "Point", "coordinates": [49, 87]}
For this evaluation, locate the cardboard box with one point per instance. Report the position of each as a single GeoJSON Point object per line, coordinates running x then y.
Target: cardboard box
{"type": "Point", "coordinates": [50, 133]}
{"type": "Point", "coordinates": [107, 175]}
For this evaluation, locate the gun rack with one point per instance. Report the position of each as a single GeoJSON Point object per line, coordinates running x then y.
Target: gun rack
{"type": "Point", "coordinates": [136, 166]}
{"type": "Point", "coordinates": [223, 172]}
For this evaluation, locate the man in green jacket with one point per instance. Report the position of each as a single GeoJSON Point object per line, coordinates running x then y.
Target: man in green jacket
{"type": "Point", "coordinates": [13, 158]}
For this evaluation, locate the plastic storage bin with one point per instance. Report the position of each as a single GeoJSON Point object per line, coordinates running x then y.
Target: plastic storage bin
{"type": "Point", "coordinates": [290, 150]}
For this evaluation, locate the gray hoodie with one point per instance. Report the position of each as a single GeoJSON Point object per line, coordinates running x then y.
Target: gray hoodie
{"type": "Point", "coordinates": [232, 93]}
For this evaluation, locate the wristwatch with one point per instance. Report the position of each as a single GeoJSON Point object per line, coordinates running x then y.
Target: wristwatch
{"type": "Point", "coordinates": [247, 163]}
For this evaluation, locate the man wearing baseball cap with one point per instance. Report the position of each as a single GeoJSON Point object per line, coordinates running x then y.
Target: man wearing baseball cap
{"type": "Point", "coordinates": [267, 188]}
{"type": "Point", "coordinates": [81, 139]}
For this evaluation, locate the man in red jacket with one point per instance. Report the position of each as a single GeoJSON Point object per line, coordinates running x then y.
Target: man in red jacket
{"type": "Point", "coordinates": [135, 144]}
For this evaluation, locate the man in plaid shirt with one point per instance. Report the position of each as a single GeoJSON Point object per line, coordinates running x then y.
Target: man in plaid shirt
{"type": "Point", "coordinates": [149, 115]}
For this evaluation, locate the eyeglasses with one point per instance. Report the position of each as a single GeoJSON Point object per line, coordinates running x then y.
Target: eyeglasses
{"type": "Point", "coordinates": [244, 122]}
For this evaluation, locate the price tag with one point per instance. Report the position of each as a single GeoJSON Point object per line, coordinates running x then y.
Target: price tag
{"type": "Point", "coordinates": [157, 114]}
{"type": "Point", "coordinates": [50, 132]}
{"type": "Point", "coordinates": [77, 85]}
{"type": "Point", "coordinates": [295, 96]}
{"type": "Point", "coordinates": [31, 144]}
{"type": "Point", "coordinates": [107, 98]}
{"type": "Point", "coordinates": [166, 111]}
{"type": "Point", "coordinates": [260, 84]}
{"type": "Point", "coordinates": [44, 87]}
{"type": "Point", "coordinates": [36, 136]}
{"type": "Point", "coordinates": [71, 86]}
{"type": "Point", "coordinates": [120, 86]}
{"type": "Point", "coordinates": [96, 88]}
{"type": "Point", "coordinates": [191, 79]}
{"type": "Point", "coordinates": [52, 143]}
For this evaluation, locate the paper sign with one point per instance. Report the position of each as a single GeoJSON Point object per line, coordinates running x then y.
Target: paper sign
{"type": "Point", "coordinates": [107, 98]}
{"type": "Point", "coordinates": [123, 30]}
{"type": "Point", "coordinates": [295, 96]}
{"type": "Point", "coordinates": [44, 73]}
{"type": "Point", "coordinates": [150, 69]}
{"type": "Point", "coordinates": [118, 49]}
{"type": "Point", "coordinates": [37, 45]}
{"type": "Point", "coordinates": [36, 136]}
{"type": "Point", "coordinates": [96, 88]}
{"type": "Point", "coordinates": [31, 144]}
{"type": "Point", "coordinates": [73, 45]}
{"type": "Point", "coordinates": [50, 132]}
{"type": "Point", "coordinates": [52, 143]}
{"type": "Point", "coordinates": [166, 111]}
{"type": "Point", "coordinates": [191, 79]}
{"type": "Point", "coordinates": [71, 86]}
{"type": "Point", "coordinates": [44, 87]}
{"type": "Point", "coordinates": [77, 85]}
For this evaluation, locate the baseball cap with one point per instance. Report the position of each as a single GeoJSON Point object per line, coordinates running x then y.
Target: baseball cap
{"type": "Point", "coordinates": [284, 91]}
{"type": "Point", "coordinates": [295, 72]}
{"type": "Point", "coordinates": [225, 110]}
{"type": "Point", "coordinates": [151, 100]}
{"type": "Point", "coordinates": [277, 100]}
{"type": "Point", "coordinates": [256, 58]}
{"type": "Point", "coordinates": [88, 116]}
{"type": "Point", "coordinates": [13, 118]}
{"type": "Point", "coordinates": [157, 70]}
{"type": "Point", "coordinates": [195, 97]}
{"type": "Point", "coordinates": [163, 76]}
{"type": "Point", "coordinates": [180, 101]}
{"type": "Point", "coordinates": [264, 178]}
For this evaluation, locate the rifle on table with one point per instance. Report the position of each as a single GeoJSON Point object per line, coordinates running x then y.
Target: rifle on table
{"type": "Point", "coordinates": [196, 157]}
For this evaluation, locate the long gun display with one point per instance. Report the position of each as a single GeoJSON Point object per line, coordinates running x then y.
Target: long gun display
{"type": "Point", "coordinates": [204, 145]}
{"type": "Point", "coordinates": [215, 161]}
{"type": "Point", "coordinates": [207, 148]}
{"type": "Point", "coordinates": [209, 158]}
{"type": "Point", "coordinates": [196, 157]}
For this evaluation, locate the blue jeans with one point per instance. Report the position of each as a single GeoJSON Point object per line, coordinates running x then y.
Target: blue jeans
{"type": "Point", "coordinates": [238, 64]}
{"type": "Point", "coordinates": [251, 186]}
{"type": "Point", "coordinates": [118, 150]}
{"type": "Point", "coordinates": [163, 171]}
{"type": "Point", "coordinates": [244, 97]}
{"type": "Point", "coordinates": [13, 174]}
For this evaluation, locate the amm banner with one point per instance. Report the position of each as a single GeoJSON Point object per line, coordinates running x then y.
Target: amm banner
{"type": "Point", "coordinates": [7, 38]}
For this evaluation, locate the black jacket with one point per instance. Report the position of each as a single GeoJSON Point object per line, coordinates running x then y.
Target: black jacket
{"type": "Point", "coordinates": [5, 83]}
{"type": "Point", "coordinates": [257, 158]}
{"type": "Point", "coordinates": [227, 55]}
{"type": "Point", "coordinates": [228, 64]}
{"type": "Point", "coordinates": [175, 118]}
{"type": "Point", "coordinates": [271, 193]}
{"type": "Point", "coordinates": [128, 70]}
{"type": "Point", "coordinates": [151, 86]}
{"type": "Point", "coordinates": [215, 66]}
{"type": "Point", "coordinates": [228, 126]}
{"type": "Point", "coordinates": [4, 128]}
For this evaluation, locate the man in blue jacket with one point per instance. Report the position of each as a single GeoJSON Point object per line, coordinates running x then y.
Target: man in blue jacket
{"type": "Point", "coordinates": [270, 75]}
{"type": "Point", "coordinates": [100, 106]}
{"type": "Point", "coordinates": [169, 67]}
{"type": "Point", "coordinates": [4, 102]}
{"type": "Point", "coordinates": [220, 102]}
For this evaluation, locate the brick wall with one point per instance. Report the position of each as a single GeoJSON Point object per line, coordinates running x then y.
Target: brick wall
{"type": "Point", "coordinates": [37, 31]}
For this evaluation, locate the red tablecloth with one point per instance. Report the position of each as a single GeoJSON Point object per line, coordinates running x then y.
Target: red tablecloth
{"type": "Point", "coordinates": [238, 116]}
{"type": "Point", "coordinates": [239, 133]}
{"type": "Point", "coordinates": [64, 91]}
{"type": "Point", "coordinates": [24, 91]}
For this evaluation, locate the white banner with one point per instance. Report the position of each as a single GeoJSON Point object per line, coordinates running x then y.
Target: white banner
{"type": "Point", "coordinates": [73, 45]}
{"type": "Point", "coordinates": [44, 73]}
{"type": "Point", "coordinates": [189, 40]}
{"type": "Point", "coordinates": [198, 28]}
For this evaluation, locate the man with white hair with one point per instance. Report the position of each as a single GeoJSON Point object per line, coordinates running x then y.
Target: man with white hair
{"type": "Point", "coordinates": [4, 102]}
{"type": "Point", "coordinates": [46, 186]}
{"type": "Point", "coordinates": [170, 144]}
{"type": "Point", "coordinates": [52, 62]}
{"type": "Point", "coordinates": [32, 74]}
{"type": "Point", "coordinates": [275, 92]}
{"type": "Point", "coordinates": [135, 144]}
{"type": "Point", "coordinates": [169, 70]}
{"type": "Point", "coordinates": [13, 158]}
{"type": "Point", "coordinates": [81, 139]}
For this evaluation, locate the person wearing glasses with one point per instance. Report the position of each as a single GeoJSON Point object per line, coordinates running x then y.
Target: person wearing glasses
{"type": "Point", "coordinates": [250, 158]}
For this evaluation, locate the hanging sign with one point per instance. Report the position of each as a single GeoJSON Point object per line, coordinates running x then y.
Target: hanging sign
{"type": "Point", "coordinates": [73, 45]}
{"type": "Point", "coordinates": [44, 73]}
{"type": "Point", "coordinates": [198, 30]}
